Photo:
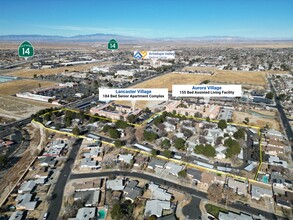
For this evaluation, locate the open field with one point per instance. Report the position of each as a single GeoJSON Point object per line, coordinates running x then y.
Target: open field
{"type": "Point", "coordinates": [17, 108]}
{"type": "Point", "coordinates": [254, 79]}
{"type": "Point", "coordinates": [216, 70]}
{"type": "Point", "coordinates": [238, 117]}
{"type": "Point", "coordinates": [16, 86]}
{"type": "Point", "coordinates": [245, 78]}
{"type": "Point", "coordinates": [167, 80]}
{"type": "Point", "coordinates": [140, 104]}
{"type": "Point", "coordinates": [29, 73]}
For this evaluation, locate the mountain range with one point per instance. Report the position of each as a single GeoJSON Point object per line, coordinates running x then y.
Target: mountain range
{"type": "Point", "coordinates": [99, 37]}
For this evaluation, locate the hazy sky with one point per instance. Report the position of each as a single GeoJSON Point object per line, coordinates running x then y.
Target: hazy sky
{"type": "Point", "coordinates": [149, 18]}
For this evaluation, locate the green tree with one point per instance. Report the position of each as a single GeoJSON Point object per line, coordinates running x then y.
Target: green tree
{"type": "Point", "coordinates": [239, 134]}
{"type": "Point", "coordinates": [233, 147]}
{"type": "Point", "coordinates": [154, 152]}
{"type": "Point", "coordinates": [114, 133]}
{"type": "Point", "coordinates": [118, 143]}
{"type": "Point", "coordinates": [147, 110]}
{"type": "Point", "coordinates": [206, 150]}
{"type": "Point", "coordinates": [270, 95]}
{"type": "Point", "coordinates": [68, 118]}
{"type": "Point", "coordinates": [116, 212]}
{"type": "Point", "coordinates": [182, 173]}
{"type": "Point", "coordinates": [167, 153]}
{"type": "Point", "coordinates": [205, 81]}
{"type": "Point", "coordinates": [106, 128]}
{"type": "Point", "coordinates": [131, 118]}
{"type": "Point", "coordinates": [121, 124]}
{"type": "Point", "coordinates": [222, 124]}
{"type": "Point", "coordinates": [159, 119]}
{"type": "Point", "coordinates": [150, 136]}
{"type": "Point", "coordinates": [3, 160]}
{"type": "Point", "coordinates": [208, 119]}
{"type": "Point", "coordinates": [246, 120]}
{"type": "Point", "coordinates": [75, 130]}
{"type": "Point", "coordinates": [166, 144]}
{"type": "Point", "coordinates": [179, 143]}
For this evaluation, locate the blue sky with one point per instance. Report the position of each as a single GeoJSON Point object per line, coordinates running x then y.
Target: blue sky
{"type": "Point", "coordinates": [149, 18]}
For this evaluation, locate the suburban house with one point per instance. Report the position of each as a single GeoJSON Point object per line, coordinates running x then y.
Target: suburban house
{"type": "Point", "coordinates": [116, 184]}
{"type": "Point", "coordinates": [126, 158]}
{"type": "Point", "coordinates": [238, 187]}
{"type": "Point", "coordinates": [156, 207]}
{"type": "Point", "coordinates": [131, 191]}
{"type": "Point", "coordinates": [47, 161]}
{"type": "Point", "coordinates": [285, 200]}
{"type": "Point", "coordinates": [156, 163]}
{"type": "Point", "coordinates": [159, 193]}
{"type": "Point", "coordinates": [234, 216]}
{"type": "Point", "coordinates": [18, 215]}
{"type": "Point", "coordinates": [88, 185]}
{"type": "Point", "coordinates": [90, 198]}
{"type": "Point", "coordinates": [89, 163]}
{"type": "Point", "coordinates": [85, 213]}
{"type": "Point", "coordinates": [25, 202]}
{"type": "Point", "coordinates": [173, 168]}
{"type": "Point", "coordinates": [193, 174]}
{"type": "Point", "coordinates": [257, 192]}
{"type": "Point", "coordinates": [27, 187]}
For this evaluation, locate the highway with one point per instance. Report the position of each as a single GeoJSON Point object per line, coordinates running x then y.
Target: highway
{"type": "Point", "coordinates": [192, 191]}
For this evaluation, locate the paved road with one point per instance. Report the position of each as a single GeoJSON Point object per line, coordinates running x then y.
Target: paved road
{"type": "Point", "coordinates": [56, 202]}
{"type": "Point", "coordinates": [192, 191]}
{"type": "Point", "coordinates": [192, 210]}
{"type": "Point", "coordinates": [22, 122]}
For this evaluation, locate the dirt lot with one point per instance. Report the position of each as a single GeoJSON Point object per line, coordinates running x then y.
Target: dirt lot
{"type": "Point", "coordinates": [18, 108]}
{"type": "Point", "coordinates": [166, 81]}
{"type": "Point", "coordinates": [16, 86]}
{"type": "Point", "coordinates": [254, 79]}
{"type": "Point", "coordinates": [238, 117]}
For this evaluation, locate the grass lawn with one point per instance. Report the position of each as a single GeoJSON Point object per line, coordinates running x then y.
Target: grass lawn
{"type": "Point", "coordinates": [214, 210]}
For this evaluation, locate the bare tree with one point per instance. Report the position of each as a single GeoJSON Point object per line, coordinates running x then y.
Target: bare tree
{"type": "Point", "coordinates": [129, 135]}
{"type": "Point", "coordinates": [215, 192]}
{"type": "Point", "coordinates": [230, 195]}
{"type": "Point", "coordinates": [139, 133]}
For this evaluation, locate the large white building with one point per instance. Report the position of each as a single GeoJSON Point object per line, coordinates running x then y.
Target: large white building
{"type": "Point", "coordinates": [28, 95]}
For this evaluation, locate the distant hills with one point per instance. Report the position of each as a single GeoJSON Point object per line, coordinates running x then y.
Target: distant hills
{"type": "Point", "coordinates": [128, 39]}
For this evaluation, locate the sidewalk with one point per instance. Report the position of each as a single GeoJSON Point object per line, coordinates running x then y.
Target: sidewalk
{"type": "Point", "coordinates": [204, 214]}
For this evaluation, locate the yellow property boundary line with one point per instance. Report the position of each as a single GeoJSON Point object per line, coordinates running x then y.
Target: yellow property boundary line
{"type": "Point", "coordinates": [200, 168]}
{"type": "Point", "coordinates": [153, 116]}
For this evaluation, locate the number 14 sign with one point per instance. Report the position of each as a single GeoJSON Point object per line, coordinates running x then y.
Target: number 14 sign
{"type": "Point", "coordinates": [26, 50]}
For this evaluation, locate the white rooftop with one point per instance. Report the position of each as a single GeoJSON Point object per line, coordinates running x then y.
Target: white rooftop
{"type": "Point", "coordinates": [116, 184]}
{"type": "Point", "coordinates": [126, 158]}
{"type": "Point", "coordinates": [156, 207]}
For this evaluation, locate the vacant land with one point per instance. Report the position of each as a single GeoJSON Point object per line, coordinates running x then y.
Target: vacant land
{"type": "Point", "coordinates": [167, 80]}
{"type": "Point", "coordinates": [239, 117]}
{"type": "Point", "coordinates": [17, 108]}
{"type": "Point", "coordinates": [16, 86]}
{"type": "Point", "coordinates": [254, 79]}
{"type": "Point", "coordinates": [248, 79]}
{"type": "Point", "coordinates": [29, 73]}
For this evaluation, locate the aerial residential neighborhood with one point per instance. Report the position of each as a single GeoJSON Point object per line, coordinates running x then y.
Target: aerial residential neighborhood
{"type": "Point", "coordinates": [146, 110]}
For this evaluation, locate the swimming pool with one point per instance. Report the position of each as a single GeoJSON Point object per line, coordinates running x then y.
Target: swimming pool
{"type": "Point", "coordinates": [265, 179]}
{"type": "Point", "coordinates": [102, 213]}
